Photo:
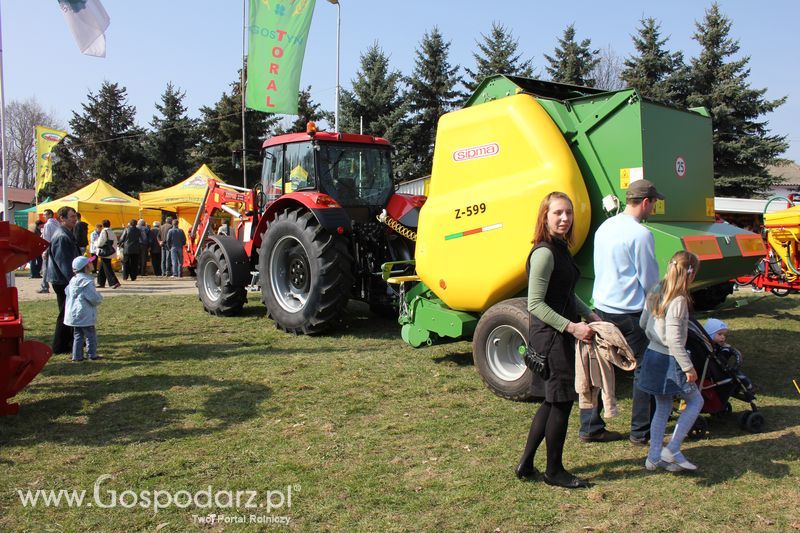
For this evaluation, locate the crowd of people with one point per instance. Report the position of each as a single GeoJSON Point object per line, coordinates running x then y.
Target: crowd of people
{"type": "Point", "coordinates": [651, 315]}
{"type": "Point", "coordinates": [73, 255]}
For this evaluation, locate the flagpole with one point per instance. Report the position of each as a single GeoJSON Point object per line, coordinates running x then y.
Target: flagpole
{"type": "Point", "coordinates": [3, 124]}
{"type": "Point", "coordinates": [241, 93]}
{"type": "Point", "coordinates": [338, 55]}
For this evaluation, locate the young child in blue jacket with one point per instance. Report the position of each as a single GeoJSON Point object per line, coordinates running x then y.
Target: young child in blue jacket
{"type": "Point", "coordinates": [80, 311]}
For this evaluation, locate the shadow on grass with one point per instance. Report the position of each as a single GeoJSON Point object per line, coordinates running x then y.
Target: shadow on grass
{"type": "Point", "coordinates": [457, 358]}
{"type": "Point", "coordinates": [60, 365]}
{"type": "Point", "coordinates": [154, 407]}
{"type": "Point", "coordinates": [719, 463]}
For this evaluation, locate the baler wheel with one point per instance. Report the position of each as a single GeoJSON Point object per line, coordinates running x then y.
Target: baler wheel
{"type": "Point", "coordinates": [305, 273]}
{"type": "Point", "coordinates": [497, 347]}
{"type": "Point", "coordinates": [219, 297]}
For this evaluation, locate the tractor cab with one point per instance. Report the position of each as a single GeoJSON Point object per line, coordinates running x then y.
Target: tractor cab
{"type": "Point", "coordinates": [355, 170]}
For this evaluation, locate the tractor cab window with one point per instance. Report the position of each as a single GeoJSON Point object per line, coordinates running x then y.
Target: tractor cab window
{"type": "Point", "coordinates": [356, 174]}
{"type": "Point", "coordinates": [272, 173]}
{"type": "Point", "coordinates": [299, 170]}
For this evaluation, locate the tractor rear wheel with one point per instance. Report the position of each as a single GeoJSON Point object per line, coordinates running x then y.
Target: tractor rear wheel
{"type": "Point", "coordinates": [305, 272]}
{"type": "Point", "coordinates": [497, 348]}
{"type": "Point", "coordinates": [219, 297]}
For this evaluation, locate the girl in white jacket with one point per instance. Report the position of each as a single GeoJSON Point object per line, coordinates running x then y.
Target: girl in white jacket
{"type": "Point", "coordinates": [80, 311]}
{"type": "Point", "coordinates": [667, 369]}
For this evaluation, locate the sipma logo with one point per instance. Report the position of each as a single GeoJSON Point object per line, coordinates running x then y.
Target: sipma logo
{"type": "Point", "coordinates": [476, 152]}
{"type": "Point", "coordinates": [115, 200]}
{"type": "Point", "coordinates": [51, 137]}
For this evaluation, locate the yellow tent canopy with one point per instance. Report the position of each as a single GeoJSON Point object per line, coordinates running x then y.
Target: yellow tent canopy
{"type": "Point", "coordinates": [183, 198]}
{"type": "Point", "coordinates": [97, 201]}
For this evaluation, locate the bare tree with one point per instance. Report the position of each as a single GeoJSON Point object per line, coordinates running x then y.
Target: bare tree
{"type": "Point", "coordinates": [608, 71]}
{"type": "Point", "coordinates": [21, 118]}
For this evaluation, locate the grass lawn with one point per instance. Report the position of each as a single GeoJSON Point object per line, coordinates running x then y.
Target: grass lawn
{"type": "Point", "coordinates": [366, 432]}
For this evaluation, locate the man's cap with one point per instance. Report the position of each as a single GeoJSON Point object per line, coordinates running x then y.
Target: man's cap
{"type": "Point", "coordinates": [641, 189]}
{"type": "Point", "coordinates": [156, 224]}
{"type": "Point", "coordinates": [80, 262]}
{"type": "Point", "coordinates": [714, 325]}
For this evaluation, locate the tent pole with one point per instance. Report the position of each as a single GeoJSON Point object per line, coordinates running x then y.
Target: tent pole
{"type": "Point", "coordinates": [241, 93]}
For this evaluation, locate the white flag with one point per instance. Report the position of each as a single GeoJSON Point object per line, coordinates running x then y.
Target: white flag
{"type": "Point", "coordinates": [88, 21]}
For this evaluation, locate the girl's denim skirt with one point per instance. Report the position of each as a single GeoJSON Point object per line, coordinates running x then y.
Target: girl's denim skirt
{"type": "Point", "coordinates": [661, 375]}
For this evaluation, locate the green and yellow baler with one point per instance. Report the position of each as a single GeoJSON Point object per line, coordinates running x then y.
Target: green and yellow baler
{"type": "Point", "coordinates": [515, 141]}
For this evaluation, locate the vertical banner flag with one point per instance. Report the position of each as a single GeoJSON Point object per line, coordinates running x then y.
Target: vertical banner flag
{"type": "Point", "coordinates": [46, 139]}
{"type": "Point", "coordinates": [88, 21]}
{"type": "Point", "coordinates": [278, 33]}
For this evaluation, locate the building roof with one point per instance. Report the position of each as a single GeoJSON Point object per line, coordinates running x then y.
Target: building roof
{"type": "Point", "coordinates": [15, 194]}
{"type": "Point", "coordinates": [746, 205]}
{"type": "Point", "coordinates": [790, 172]}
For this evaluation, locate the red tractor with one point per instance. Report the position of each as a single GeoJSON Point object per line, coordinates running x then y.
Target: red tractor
{"type": "Point", "coordinates": [308, 236]}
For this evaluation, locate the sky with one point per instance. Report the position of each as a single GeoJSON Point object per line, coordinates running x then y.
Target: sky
{"type": "Point", "coordinates": [197, 45]}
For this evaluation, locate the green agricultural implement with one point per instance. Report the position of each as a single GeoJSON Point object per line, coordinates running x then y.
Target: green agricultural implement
{"type": "Point", "coordinates": [515, 141]}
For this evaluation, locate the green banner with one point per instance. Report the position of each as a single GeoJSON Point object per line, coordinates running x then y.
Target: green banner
{"type": "Point", "coordinates": [278, 32]}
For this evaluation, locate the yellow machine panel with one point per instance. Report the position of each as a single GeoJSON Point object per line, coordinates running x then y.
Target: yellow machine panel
{"type": "Point", "coordinates": [789, 217]}
{"type": "Point", "coordinates": [489, 160]}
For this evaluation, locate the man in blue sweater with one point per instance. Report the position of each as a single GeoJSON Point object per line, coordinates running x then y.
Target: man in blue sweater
{"type": "Point", "coordinates": [625, 269]}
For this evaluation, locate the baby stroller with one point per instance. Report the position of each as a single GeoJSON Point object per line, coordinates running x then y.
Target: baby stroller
{"type": "Point", "coordinates": [720, 379]}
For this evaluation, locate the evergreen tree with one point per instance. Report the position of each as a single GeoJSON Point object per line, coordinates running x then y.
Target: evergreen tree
{"type": "Point", "coordinates": [655, 71]}
{"type": "Point", "coordinates": [376, 98]}
{"type": "Point", "coordinates": [220, 132]}
{"type": "Point", "coordinates": [743, 146]}
{"type": "Point", "coordinates": [307, 111]}
{"type": "Point", "coordinates": [107, 143]}
{"type": "Point", "coordinates": [171, 141]}
{"type": "Point", "coordinates": [432, 93]}
{"type": "Point", "coordinates": [572, 61]}
{"type": "Point", "coordinates": [67, 173]}
{"type": "Point", "coordinates": [497, 54]}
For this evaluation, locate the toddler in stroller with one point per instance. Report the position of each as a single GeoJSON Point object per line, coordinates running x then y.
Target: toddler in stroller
{"type": "Point", "coordinates": [721, 377]}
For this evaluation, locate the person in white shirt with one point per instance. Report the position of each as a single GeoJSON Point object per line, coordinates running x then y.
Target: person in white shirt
{"type": "Point", "coordinates": [625, 269]}
{"type": "Point", "coordinates": [50, 226]}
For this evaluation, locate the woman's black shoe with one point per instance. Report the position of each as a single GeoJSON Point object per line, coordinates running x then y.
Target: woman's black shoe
{"type": "Point", "coordinates": [566, 480]}
{"type": "Point", "coordinates": [525, 473]}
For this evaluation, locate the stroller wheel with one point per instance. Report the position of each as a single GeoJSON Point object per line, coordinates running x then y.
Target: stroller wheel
{"type": "Point", "coordinates": [754, 423]}
{"type": "Point", "coordinates": [728, 408]}
{"type": "Point", "coordinates": [699, 429]}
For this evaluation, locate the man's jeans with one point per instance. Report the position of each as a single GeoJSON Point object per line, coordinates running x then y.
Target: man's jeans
{"type": "Point", "coordinates": [591, 423]}
{"type": "Point", "coordinates": [177, 261]}
{"type": "Point", "coordinates": [81, 334]}
{"type": "Point", "coordinates": [166, 261]}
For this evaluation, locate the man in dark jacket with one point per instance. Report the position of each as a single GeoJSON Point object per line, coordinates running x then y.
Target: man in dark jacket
{"type": "Point", "coordinates": [166, 260]}
{"type": "Point", "coordinates": [176, 240]}
{"type": "Point", "coordinates": [81, 232]}
{"type": "Point", "coordinates": [63, 249]}
{"type": "Point", "coordinates": [155, 248]}
{"type": "Point", "coordinates": [131, 247]}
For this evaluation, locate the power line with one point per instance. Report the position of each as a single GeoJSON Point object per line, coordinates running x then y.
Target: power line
{"type": "Point", "coordinates": [137, 135]}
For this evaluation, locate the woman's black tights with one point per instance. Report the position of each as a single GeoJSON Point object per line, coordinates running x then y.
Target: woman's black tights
{"type": "Point", "coordinates": [549, 424]}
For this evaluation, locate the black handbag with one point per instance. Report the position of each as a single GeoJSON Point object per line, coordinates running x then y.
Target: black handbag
{"type": "Point", "coordinates": [537, 363]}
{"type": "Point", "coordinates": [107, 249]}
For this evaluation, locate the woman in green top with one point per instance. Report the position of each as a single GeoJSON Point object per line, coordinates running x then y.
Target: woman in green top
{"type": "Point", "coordinates": [554, 325]}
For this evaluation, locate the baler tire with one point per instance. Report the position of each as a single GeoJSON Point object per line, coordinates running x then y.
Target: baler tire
{"type": "Point", "coordinates": [214, 287]}
{"type": "Point", "coordinates": [305, 272]}
{"type": "Point", "coordinates": [500, 332]}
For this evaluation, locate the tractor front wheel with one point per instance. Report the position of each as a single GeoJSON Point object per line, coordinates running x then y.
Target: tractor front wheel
{"type": "Point", "coordinates": [219, 297]}
{"type": "Point", "coordinates": [305, 272]}
{"type": "Point", "coordinates": [498, 345]}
